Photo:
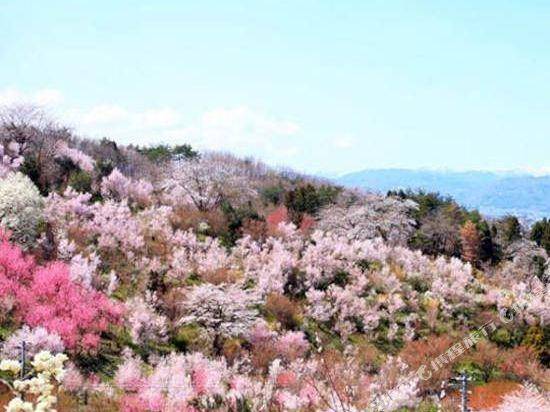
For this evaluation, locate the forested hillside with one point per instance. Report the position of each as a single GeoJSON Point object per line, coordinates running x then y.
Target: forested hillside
{"type": "Point", "coordinates": [162, 278]}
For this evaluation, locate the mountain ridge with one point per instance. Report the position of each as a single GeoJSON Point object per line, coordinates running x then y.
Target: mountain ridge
{"type": "Point", "coordinates": [492, 193]}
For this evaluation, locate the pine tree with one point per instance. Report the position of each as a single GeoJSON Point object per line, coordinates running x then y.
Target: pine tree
{"type": "Point", "coordinates": [540, 233]}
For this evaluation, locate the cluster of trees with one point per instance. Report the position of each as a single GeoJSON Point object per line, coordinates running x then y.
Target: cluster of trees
{"type": "Point", "coordinates": [445, 228]}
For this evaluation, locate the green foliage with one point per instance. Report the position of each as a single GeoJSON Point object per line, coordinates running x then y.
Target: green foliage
{"type": "Point", "coordinates": [427, 406]}
{"type": "Point", "coordinates": [418, 283]}
{"type": "Point", "coordinates": [327, 194]}
{"type": "Point", "coordinates": [502, 337]}
{"type": "Point", "coordinates": [488, 250]}
{"type": "Point", "coordinates": [309, 199]}
{"type": "Point", "coordinates": [235, 218]}
{"type": "Point", "coordinates": [243, 405]}
{"type": "Point", "coordinates": [474, 372]}
{"type": "Point", "coordinates": [272, 194]}
{"type": "Point", "coordinates": [428, 202]}
{"type": "Point", "coordinates": [103, 363]}
{"type": "Point", "coordinates": [186, 337]}
{"type": "Point", "coordinates": [534, 338]}
{"type": "Point", "coordinates": [511, 229]}
{"type": "Point", "coordinates": [540, 265]}
{"type": "Point", "coordinates": [80, 181]}
{"type": "Point", "coordinates": [6, 330]}
{"type": "Point", "coordinates": [66, 167]}
{"type": "Point", "coordinates": [162, 152]}
{"type": "Point", "coordinates": [108, 157]}
{"type": "Point", "coordinates": [104, 167]}
{"type": "Point", "coordinates": [294, 284]}
{"type": "Point", "coordinates": [321, 336]}
{"type": "Point", "coordinates": [185, 151]}
{"type": "Point", "coordinates": [540, 234]}
{"type": "Point", "coordinates": [31, 169]}
{"type": "Point", "coordinates": [383, 343]}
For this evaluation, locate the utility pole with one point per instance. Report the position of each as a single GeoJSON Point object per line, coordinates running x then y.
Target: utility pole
{"type": "Point", "coordinates": [23, 358]}
{"type": "Point", "coordinates": [463, 381]}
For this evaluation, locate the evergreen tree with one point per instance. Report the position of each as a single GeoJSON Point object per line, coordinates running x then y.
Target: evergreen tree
{"type": "Point", "coordinates": [511, 229]}
{"type": "Point", "coordinates": [487, 247]}
{"type": "Point", "coordinates": [540, 234]}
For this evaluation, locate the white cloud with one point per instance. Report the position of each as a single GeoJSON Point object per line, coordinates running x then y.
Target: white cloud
{"type": "Point", "coordinates": [10, 96]}
{"type": "Point", "coordinates": [47, 97]}
{"type": "Point", "coordinates": [103, 114]}
{"type": "Point", "coordinates": [120, 119]}
{"type": "Point", "coordinates": [344, 142]}
{"type": "Point", "coordinates": [536, 171]}
{"type": "Point", "coordinates": [42, 97]}
{"type": "Point", "coordinates": [238, 128]}
{"type": "Point", "coordinates": [164, 117]}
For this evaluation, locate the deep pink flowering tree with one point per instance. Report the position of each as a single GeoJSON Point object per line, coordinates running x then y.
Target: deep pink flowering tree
{"type": "Point", "coordinates": [45, 296]}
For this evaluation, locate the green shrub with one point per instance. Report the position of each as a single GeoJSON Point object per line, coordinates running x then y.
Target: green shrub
{"type": "Point", "coordinates": [80, 181]}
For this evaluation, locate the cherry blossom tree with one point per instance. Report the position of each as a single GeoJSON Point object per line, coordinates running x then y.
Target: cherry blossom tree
{"type": "Point", "coordinates": [222, 310]}
{"type": "Point", "coordinates": [370, 217]}
{"type": "Point", "coordinates": [205, 183]}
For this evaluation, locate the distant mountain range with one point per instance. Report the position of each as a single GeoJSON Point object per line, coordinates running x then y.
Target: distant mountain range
{"type": "Point", "coordinates": [493, 194]}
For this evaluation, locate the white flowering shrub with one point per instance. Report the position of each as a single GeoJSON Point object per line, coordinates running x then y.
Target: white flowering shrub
{"type": "Point", "coordinates": [20, 207]}
{"type": "Point", "coordinates": [34, 392]}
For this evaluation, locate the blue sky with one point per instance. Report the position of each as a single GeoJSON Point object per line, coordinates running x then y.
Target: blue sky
{"type": "Point", "coordinates": [321, 86]}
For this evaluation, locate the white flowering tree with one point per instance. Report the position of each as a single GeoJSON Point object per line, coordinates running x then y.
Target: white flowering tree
{"type": "Point", "coordinates": [206, 182]}
{"type": "Point", "coordinates": [146, 325]}
{"type": "Point", "coordinates": [222, 310]}
{"type": "Point", "coordinates": [370, 217]}
{"type": "Point", "coordinates": [524, 260]}
{"type": "Point", "coordinates": [20, 207]}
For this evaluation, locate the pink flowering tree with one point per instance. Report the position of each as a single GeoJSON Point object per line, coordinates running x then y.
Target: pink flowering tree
{"type": "Point", "coordinates": [119, 187]}
{"type": "Point", "coordinates": [78, 158]}
{"type": "Point", "coordinates": [10, 157]}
